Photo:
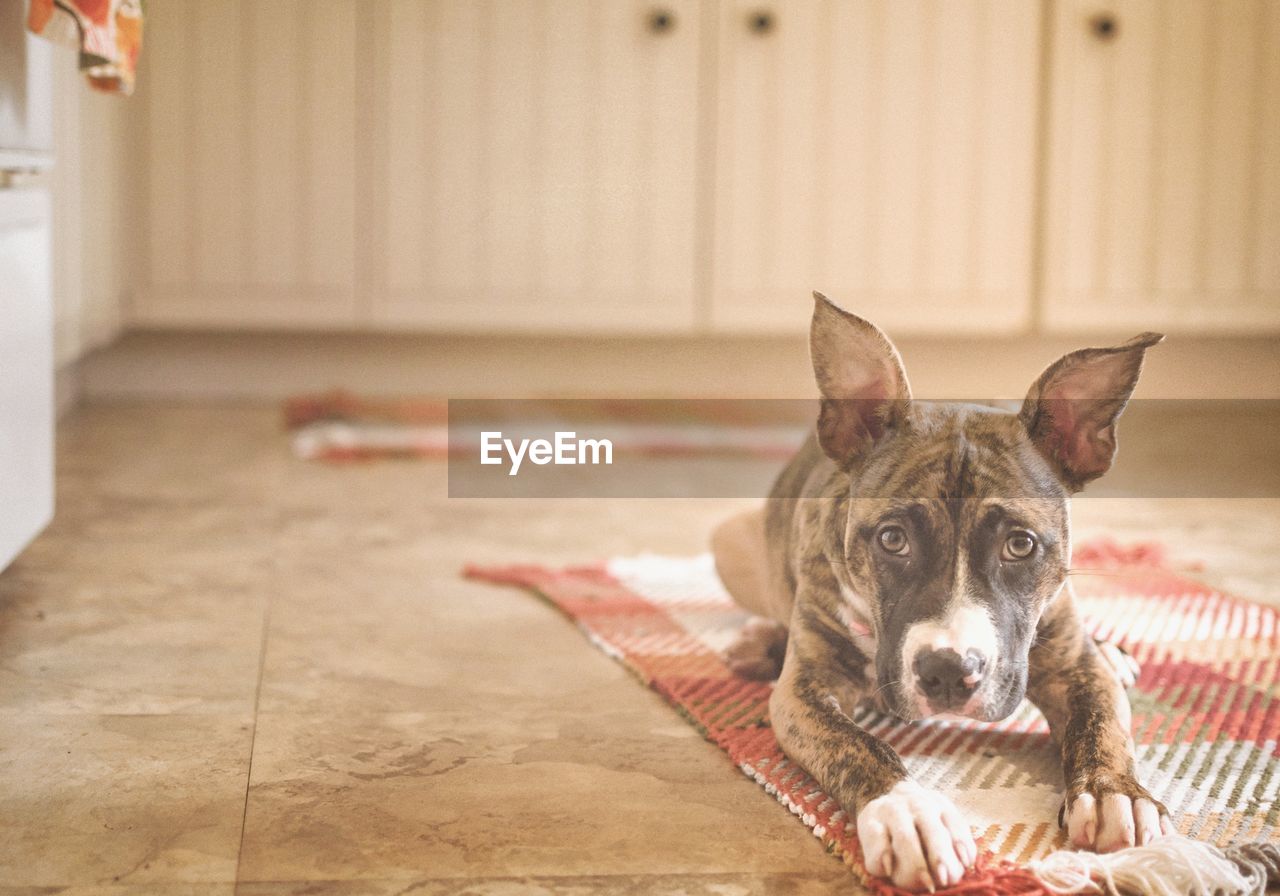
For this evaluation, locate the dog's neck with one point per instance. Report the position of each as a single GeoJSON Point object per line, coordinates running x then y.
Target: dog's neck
{"type": "Point", "coordinates": [855, 614]}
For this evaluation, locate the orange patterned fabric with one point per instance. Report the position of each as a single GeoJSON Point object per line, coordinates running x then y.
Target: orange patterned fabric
{"type": "Point", "coordinates": [106, 33]}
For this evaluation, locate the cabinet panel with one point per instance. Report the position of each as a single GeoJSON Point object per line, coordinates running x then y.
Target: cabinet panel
{"type": "Point", "coordinates": [250, 163]}
{"type": "Point", "coordinates": [881, 151]}
{"type": "Point", "coordinates": [1163, 185]}
{"type": "Point", "coordinates": [26, 368]}
{"type": "Point", "coordinates": [535, 165]}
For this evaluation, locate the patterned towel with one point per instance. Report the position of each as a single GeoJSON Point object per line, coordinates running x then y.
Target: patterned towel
{"type": "Point", "coordinates": [1205, 714]}
{"type": "Point", "coordinates": [107, 34]}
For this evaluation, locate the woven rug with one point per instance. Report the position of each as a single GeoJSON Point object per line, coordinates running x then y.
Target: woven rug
{"type": "Point", "coordinates": [1205, 715]}
{"type": "Point", "coordinates": [341, 427]}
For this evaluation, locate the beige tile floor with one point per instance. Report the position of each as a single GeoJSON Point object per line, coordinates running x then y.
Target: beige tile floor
{"type": "Point", "coordinates": [223, 670]}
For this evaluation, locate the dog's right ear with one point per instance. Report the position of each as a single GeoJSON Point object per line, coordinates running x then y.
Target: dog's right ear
{"type": "Point", "coordinates": [1071, 410]}
{"type": "Point", "coordinates": [861, 379]}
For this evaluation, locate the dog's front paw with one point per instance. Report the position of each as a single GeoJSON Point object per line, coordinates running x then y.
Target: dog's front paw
{"type": "Point", "coordinates": [916, 837]}
{"type": "Point", "coordinates": [1106, 812]}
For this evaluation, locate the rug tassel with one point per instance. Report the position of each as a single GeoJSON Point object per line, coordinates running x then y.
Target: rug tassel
{"type": "Point", "coordinates": [1169, 866]}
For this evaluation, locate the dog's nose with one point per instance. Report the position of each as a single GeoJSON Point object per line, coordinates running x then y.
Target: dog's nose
{"type": "Point", "coordinates": [947, 678]}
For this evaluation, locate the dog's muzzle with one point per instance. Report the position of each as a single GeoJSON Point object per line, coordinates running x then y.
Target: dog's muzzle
{"type": "Point", "coordinates": [948, 680]}
{"type": "Point", "coordinates": [948, 661]}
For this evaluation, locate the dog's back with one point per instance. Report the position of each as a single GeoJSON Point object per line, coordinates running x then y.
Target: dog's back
{"type": "Point", "coordinates": [754, 550]}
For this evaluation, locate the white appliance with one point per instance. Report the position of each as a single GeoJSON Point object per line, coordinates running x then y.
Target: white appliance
{"type": "Point", "coordinates": [26, 292]}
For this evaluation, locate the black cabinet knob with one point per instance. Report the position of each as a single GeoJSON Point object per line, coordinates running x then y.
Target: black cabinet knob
{"type": "Point", "coordinates": [662, 21]}
{"type": "Point", "coordinates": [1104, 26]}
{"type": "Point", "coordinates": [760, 21]}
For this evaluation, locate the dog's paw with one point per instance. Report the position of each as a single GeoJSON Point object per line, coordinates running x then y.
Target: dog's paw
{"type": "Point", "coordinates": [759, 649]}
{"type": "Point", "coordinates": [1125, 666]}
{"type": "Point", "coordinates": [916, 837]}
{"type": "Point", "coordinates": [1109, 812]}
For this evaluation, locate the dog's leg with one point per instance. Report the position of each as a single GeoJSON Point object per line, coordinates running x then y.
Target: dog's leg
{"type": "Point", "coordinates": [759, 650]}
{"type": "Point", "coordinates": [908, 833]}
{"type": "Point", "coordinates": [1105, 808]}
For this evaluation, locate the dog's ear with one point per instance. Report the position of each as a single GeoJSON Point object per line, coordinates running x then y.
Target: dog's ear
{"type": "Point", "coordinates": [1071, 410]}
{"type": "Point", "coordinates": [860, 377]}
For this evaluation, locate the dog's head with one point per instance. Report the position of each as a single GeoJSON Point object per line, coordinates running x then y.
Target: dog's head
{"type": "Point", "coordinates": [957, 531]}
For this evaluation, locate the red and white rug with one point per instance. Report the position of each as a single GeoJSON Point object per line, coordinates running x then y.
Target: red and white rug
{"type": "Point", "coordinates": [340, 427]}
{"type": "Point", "coordinates": [1206, 718]}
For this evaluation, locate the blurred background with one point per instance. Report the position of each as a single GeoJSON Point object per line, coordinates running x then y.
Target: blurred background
{"type": "Point", "coordinates": [636, 198]}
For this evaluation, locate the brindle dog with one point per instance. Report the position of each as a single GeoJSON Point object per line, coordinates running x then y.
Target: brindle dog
{"type": "Point", "coordinates": [916, 555]}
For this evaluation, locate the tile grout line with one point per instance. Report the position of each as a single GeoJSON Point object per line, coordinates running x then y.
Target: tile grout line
{"type": "Point", "coordinates": [253, 737]}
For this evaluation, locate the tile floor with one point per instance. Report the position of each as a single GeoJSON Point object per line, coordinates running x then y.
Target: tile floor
{"type": "Point", "coordinates": [223, 670]}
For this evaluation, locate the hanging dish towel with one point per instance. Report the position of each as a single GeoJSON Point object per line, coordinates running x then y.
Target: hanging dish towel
{"type": "Point", "coordinates": [106, 33]}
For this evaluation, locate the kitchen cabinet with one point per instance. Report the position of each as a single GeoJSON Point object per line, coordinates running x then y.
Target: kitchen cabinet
{"type": "Point", "coordinates": [26, 367]}
{"type": "Point", "coordinates": [250, 164]}
{"type": "Point", "coordinates": [694, 166]}
{"type": "Point", "coordinates": [535, 165]}
{"type": "Point", "coordinates": [881, 151]}
{"type": "Point", "coordinates": [26, 285]}
{"type": "Point", "coordinates": [1163, 179]}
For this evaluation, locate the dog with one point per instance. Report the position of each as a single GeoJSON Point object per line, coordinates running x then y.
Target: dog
{"type": "Point", "coordinates": [915, 554]}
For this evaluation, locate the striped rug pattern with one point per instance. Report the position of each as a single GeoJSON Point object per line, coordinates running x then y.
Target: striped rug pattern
{"type": "Point", "coordinates": [340, 427]}
{"type": "Point", "coordinates": [1206, 717]}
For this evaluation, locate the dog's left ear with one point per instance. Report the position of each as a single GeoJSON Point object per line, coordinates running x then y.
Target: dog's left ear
{"type": "Point", "coordinates": [860, 376]}
{"type": "Point", "coordinates": [1071, 410]}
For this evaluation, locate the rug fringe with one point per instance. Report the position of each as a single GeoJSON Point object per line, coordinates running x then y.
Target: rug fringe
{"type": "Point", "coordinates": [990, 876]}
{"type": "Point", "coordinates": [1169, 866]}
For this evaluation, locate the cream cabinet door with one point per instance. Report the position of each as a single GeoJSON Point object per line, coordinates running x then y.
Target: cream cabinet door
{"type": "Point", "coordinates": [1163, 203]}
{"type": "Point", "coordinates": [250, 163]}
{"type": "Point", "coordinates": [535, 165]}
{"type": "Point", "coordinates": [882, 152]}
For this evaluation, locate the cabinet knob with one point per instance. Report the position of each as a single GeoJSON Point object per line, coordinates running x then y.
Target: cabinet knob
{"type": "Point", "coordinates": [761, 21]}
{"type": "Point", "coordinates": [662, 21]}
{"type": "Point", "coordinates": [1105, 26]}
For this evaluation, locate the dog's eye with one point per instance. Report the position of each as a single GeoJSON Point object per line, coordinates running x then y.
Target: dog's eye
{"type": "Point", "coordinates": [1020, 545]}
{"type": "Point", "coordinates": [893, 539]}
